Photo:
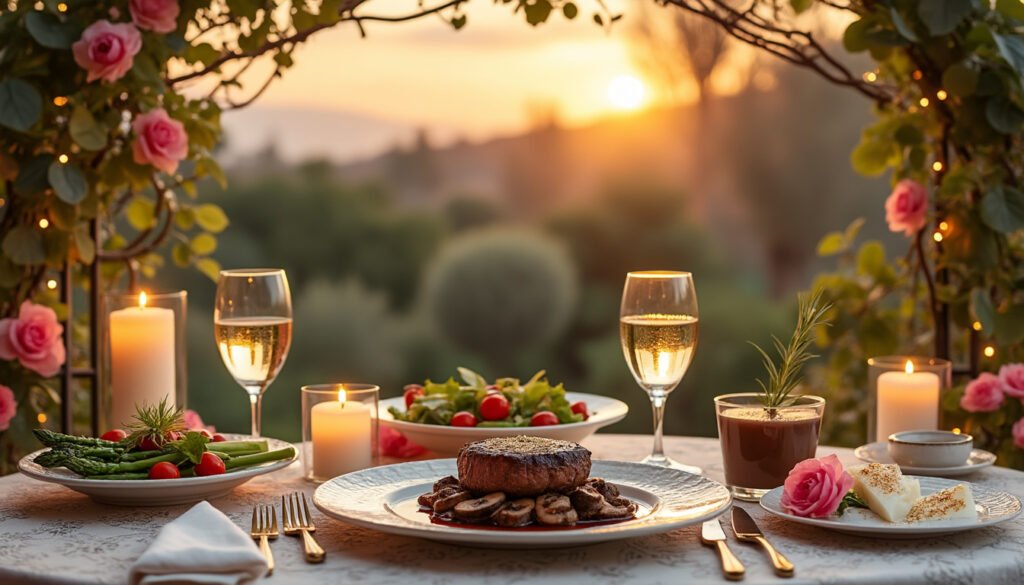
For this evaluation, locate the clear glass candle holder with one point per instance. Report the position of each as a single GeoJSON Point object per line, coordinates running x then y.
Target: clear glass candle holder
{"type": "Point", "coordinates": [339, 429]}
{"type": "Point", "coordinates": [905, 394]}
{"type": "Point", "coordinates": [144, 353]}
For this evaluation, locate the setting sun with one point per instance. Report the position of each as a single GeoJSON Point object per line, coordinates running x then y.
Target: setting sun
{"type": "Point", "coordinates": [626, 92]}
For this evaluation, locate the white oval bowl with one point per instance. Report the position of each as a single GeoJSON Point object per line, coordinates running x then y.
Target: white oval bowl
{"type": "Point", "coordinates": [447, 440]}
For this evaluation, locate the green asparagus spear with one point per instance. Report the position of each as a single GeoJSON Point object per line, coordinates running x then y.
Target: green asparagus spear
{"type": "Point", "coordinates": [249, 460]}
{"type": "Point", "coordinates": [129, 475]}
{"type": "Point", "coordinates": [83, 466]}
{"type": "Point", "coordinates": [139, 455]}
{"type": "Point", "coordinates": [233, 447]}
{"type": "Point", "coordinates": [52, 439]}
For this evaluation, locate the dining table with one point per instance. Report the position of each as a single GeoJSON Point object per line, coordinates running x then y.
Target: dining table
{"type": "Point", "coordinates": [50, 534]}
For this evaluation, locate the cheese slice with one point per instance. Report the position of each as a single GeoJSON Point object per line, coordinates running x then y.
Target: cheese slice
{"type": "Point", "coordinates": [952, 502]}
{"type": "Point", "coordinates": [885, 490]}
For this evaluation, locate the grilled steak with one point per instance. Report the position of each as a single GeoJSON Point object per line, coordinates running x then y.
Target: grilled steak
{"type": "Point", "coordinates": [523, 466]}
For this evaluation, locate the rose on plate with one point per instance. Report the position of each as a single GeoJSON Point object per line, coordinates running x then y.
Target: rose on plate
{"type": "Point", "coordinates": [818, 488]}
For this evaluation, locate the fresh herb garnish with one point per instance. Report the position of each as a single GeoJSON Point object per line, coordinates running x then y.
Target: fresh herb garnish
{"type": "Point", "coordinates": [785, 376]}
{"type": "Point", "coordinates": [155, 423]}
{"type": "Point", "coordinates": [850, 500]}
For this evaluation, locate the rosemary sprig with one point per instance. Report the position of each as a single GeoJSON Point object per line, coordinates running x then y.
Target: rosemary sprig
{"type": "Point", "coordinates": [785, 376]}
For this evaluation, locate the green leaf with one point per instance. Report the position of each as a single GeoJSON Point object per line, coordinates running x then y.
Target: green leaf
{"type": "Point", "coordinates": [569, 10]}
{"type": "Point", "coordinates": [1004, 115]}
{"type": "Point", "coordinates": [458, 21]}
{"type": "Point", "coordinates": [598, 20]}
{"type": "Point", "coordinates": [50, 32]}
{"type": "Point", "coordinates": [1009, 327]}
{"type": "Point", "coordinates": [208, 166]}
{"type": "Point", "coordinates": [202, 53]}
{"type": "Point", "coordinates": [537, 12]}
{"type": "Point", "coordinates": [1012, 49]}
{"type": "Point", "coordinates": [982, 309]}
{"type": "Point", "coordinates": [203, 244]}
{"type": "Point", "coordinates": [85, 131]}
{"type": "Point", "coordinates": [181, 254]}
{"type": "Point", "coordinates": [853, 230]}
{"type": "Point", "coordinates": [902, 27]}
{"type": "Point", "coordinates": [1002, 209]}
{"type": "Point", "coordinates": [68, 182]}
{"type": "Point", "coordinates": [209, 267]}
{"type": "Point", "coordinates": [941, 17]}
{"type": "Point", "coordinates": [20, 104]}
{"type": "Point", "coordinates": [800, 5]}
{"type": "Point", "coordinates": [832, 244]}
{"type": "Point", "coordinates": [84, 244]}
{"type": "Point", "coordinates": [184, 218]}
{"type": "Point", "coordinates": [871, 258]}
{"type": "Point", "coordinates": [960, 79]}
{"type": "Point", "coordinates": [1011, 8]}
{"type": "Point", "coordinates": [211, 218]}
{"type": "Point", "coordinates": [32, 179]}
{"type": "Point", "coordinates": [140, 213]}
{"type": "Point", "coordinates": [870, 157]}
{"type": "Point", "coordinates": [855, 37]}
{"type": "Point", "coordinates": [24, 245]}
{"type": "Point", "coordinates": [908, 135]}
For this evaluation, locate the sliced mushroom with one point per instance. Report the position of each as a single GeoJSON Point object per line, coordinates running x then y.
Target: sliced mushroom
{"type": "Point", "coordinates": [586, 500]}
{"type": "Point", "coordinates": [445, 503]}
{"type": "Point", "coordinates": [555, 510]}
{"type": "Point", "coordinates": [609, 512]}
{"type": "Point", "coordinates": [515, 513]}
{"type": "Point", "coordinates": [479, 508]}
{"type": "Point", "coordinates": [442, 492]}
{"type": "Point", "coordinates": [444, 482]}
{"type": "Point", "coordinates": [611, 493]}
{"type": "Point", "coordinates": [427, 499]}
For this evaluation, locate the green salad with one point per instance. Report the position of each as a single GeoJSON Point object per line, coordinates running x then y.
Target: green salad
{"type": "Point", "coordinates": [475, 402]}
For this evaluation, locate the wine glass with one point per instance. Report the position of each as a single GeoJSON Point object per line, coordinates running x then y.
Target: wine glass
{"type": "Point", "coordinates": [252, 319]}
{"type": "Point", "coordinates": [658, 330]}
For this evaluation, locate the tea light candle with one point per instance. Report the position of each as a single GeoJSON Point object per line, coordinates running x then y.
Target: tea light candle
{"type": "Point", "coordinates": [142, 361]}
{"type": "Point", "coordinates": [906, 401]}
{"type": "Point", "coordinates": [341, 437]}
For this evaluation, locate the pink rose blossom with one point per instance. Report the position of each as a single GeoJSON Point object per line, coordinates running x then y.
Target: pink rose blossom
{"type": "Point", "coordinates": [906, 209]}
{"type": "Point", "coordinates": [1018, 433]}
{"type": "Point", "coordinates": [816, 487]}
{"type": "Point", "coordinates": [1012, 377]}
{"type": "Point", "coordinates": [107, 50]}
{"type": "Point", "coordinates": [34, 339]}
{"type": "Point", "coordinates": [160, 140]}
{"type": "Point", "coordinates": [9, 407]}
{"type": "Point", "coordinates": [194, 422]}
{"type": "Point", "coordinates": [394, 444]}
{"type": "Point", "coordinates": [983, 394]}
{"type": "Point", "coordinates": [156, 15]}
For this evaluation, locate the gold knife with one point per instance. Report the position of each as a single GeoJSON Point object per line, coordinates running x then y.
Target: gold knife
{"type": "Point", "coordinates": [711, 534]}
{"type": "Point", "coordinates": [746, 530]}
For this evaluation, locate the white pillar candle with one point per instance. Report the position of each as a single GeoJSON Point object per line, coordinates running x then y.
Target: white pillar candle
{"type": "Point", "coordinates": [341, 437]}
{"type": "Point", "coordinates": [142, 361]}
{"type": "Point", "coordinates": [906, 401]}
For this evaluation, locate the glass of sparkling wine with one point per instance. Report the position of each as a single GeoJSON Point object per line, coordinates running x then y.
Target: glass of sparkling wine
{"type": "Point", "coordinates": [658, 330]}
{"type": "Point", "coordinates": [252, 319]}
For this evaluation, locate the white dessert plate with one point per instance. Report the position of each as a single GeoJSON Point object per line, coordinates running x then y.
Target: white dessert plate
{"type": "Point", "coordinates": [148, 492]}
{"type": "Point", "coordinates": [446, 440]}
{"type": "Point", "coordinates": [878, 452]}
{"type": "Point", "coordinates": [384, 499]}
{"type": "Point", "coordinates": [993, 508]}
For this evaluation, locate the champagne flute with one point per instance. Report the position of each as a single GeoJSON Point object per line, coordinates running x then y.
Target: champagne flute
{"type": "Point", "coordinates": [658, 330]}
{"type": "Point", "coordinates": [252, 320]}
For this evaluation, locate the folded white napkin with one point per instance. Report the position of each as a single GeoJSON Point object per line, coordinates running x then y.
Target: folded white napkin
{"type": "Point", "coordinates": [202, 546]}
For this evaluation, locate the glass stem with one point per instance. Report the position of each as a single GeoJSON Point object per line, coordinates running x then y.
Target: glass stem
{"type": "Point", "coordinates": [658, 409]}
{"type": "Point", "coordinates": [256, 402]}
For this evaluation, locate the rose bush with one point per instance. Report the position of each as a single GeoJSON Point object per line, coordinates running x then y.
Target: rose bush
{"type": "Point", "coordinates": [906, 209]}
{"type": "Point", "coordinates": [34, 339]}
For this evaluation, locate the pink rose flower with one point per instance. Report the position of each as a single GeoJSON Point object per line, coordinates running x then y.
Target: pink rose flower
{"type": "Point", "coordinates": [983, 394]}
{"type": "Point", "coordinates": [156, 15]}
{"type": "Point", "coordinates": [9, 407]}
{"type": "Point", "coordinates": [194, 422]}
{"type": "Point", "coordinates": [1012, 377]}
{"type": "Point", "coordinates": [394, 444]}
{"type": "Point", "coordinates": [1018, 433]}
{"type": "Point", "coordinates": [34, 339]}
{"type": "Point", "coordinates": [160, 140]}
{"type": "Point", "coordinates": [816, 487]}
{"type": "Point", "coordinates": [906, 209]}
{"type": "Point", "coordinates": [107, 50]}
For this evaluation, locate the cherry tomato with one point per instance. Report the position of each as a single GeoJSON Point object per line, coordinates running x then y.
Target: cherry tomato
{"type": "Point", "coordinates": [164, 470]}
{"type": "Point", "coordinates": [411, 392]}
{"type": "Point", "coordinates": [114, 435]}
{"type": "Point", "coordinates": [494, 407]}
{"type": "Point", "coordinates": [149, 444]}
{"type": "Point", "coordinates": [543, 418]}
{"type": "Point", "coordinates": [173, 436]}
{"type": "Point", "coordinates": [463, 418]}
{"type": "Point", "coordinates": [210, 464]}
{"type": "Point", "coordinates": [219, 438]}
{"type": "Point", "coordinates": [580, 408]}
{"type": "Point", "coordinates": [206, 433]}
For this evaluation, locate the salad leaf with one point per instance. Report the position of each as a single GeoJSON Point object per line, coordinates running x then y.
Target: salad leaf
{"type": "Point", "coordinates": [193, 445]}
{"type": "Point", "coordinates": [472, 379]}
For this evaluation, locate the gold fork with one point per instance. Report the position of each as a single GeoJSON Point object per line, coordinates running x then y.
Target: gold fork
{"type": "Point", "coordinates": [264, 527]}
{"type": "Point", "coordinates": [296, 519]}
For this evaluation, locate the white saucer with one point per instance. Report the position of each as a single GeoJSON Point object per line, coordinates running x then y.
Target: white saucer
{"type": "Point", "coordinates": [877, 452]}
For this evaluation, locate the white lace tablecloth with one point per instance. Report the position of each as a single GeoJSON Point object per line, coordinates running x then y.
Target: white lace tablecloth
{"type": "Point", "coordinates": [49, 534]}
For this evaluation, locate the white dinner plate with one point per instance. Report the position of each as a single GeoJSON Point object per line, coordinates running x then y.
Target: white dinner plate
{"type": "Point", "coordinates": [384, 499]}
{"type": "Point", "coordinates": [878, 452]}
{"type": "Point", "coordinates": [447, 440]}
{"type": "Point", "coordinates": [993, 507]}
{"type": "Point", "coordinates": [148, 492]}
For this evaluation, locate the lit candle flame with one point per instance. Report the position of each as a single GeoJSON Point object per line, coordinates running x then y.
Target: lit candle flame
{"type": "Point", "coordinates": [956, 431]}
{"type": "Point", "coordinates": [909, 367]}
{"type": "Point", "coordinates": [341, 397]}
{"type": "Point", "coordinates": [142, 299]}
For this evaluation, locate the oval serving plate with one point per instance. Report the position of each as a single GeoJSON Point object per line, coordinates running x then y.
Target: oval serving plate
{"type": "Point", "coordinates": [446, 440]}
{"type": "Point", "coordinates": [993, 507]}
{"type": "Point", "coordinates": [384, 499]}
{"type": "Point", "coordinates": [146, 492]}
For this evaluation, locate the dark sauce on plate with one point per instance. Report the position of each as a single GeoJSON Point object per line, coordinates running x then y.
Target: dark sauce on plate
{"type": "Point", "coordinates": [445, 519]}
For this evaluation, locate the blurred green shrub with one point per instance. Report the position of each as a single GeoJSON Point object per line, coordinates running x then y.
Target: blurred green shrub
{"type": "Point", "coordinates": [501, 292]}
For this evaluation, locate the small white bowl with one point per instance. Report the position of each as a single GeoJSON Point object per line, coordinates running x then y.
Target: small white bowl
{"type": "Point", "coordinates": [930, 448]}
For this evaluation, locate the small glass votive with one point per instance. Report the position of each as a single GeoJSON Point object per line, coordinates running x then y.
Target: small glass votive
{"type": "Point", "coordinates": [339, 429]}
{"type": "Point", "coordinates": [905, 394]}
